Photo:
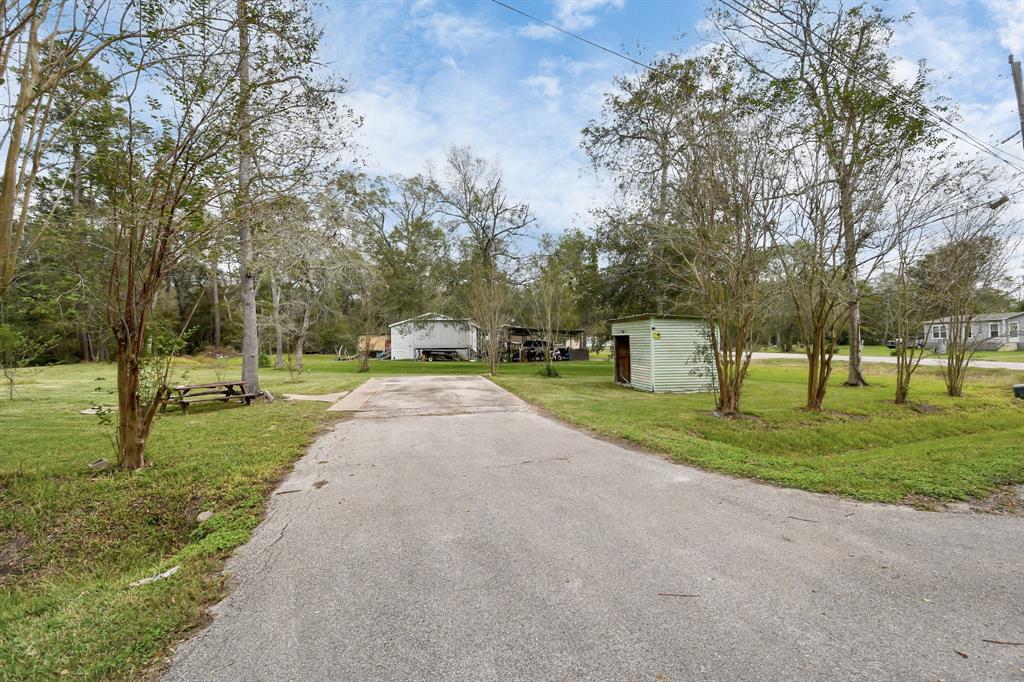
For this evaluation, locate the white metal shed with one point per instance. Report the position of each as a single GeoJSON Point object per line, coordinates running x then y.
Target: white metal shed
{"type": "Point", "coordinates": [433, 332]}
{"type": "Point", "coordinates": [663, 354]}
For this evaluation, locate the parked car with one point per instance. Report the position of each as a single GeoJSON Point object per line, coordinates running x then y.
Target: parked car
{"type": "Point", "coordinates": [533, 349]}
{"type": "Point", "coordinates": [917, 342]}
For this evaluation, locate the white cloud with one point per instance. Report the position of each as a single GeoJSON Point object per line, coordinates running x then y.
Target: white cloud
{"type": "Point", "coordinates": [549, 86]}
{"type": "Point", "coordinates": [1009, 17]}
{"type": "Point", "coordinates": [574, 15]}
{"type": "Point", "coordinates": [571, 15]}
{"type": "Point", "coordinates": [454, 31]}
{"type": "Point", "coordinates": [538, 32]}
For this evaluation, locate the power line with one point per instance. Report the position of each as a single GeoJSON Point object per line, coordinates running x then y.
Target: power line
{"type": "Point", "coordinates": [964, 135]}
{"type": "Point", "coordinates": [971, 139]}
{"type": "Point", "coordinates": [573, 35]}
{"type": "Point", "coordinates": [994, 151]}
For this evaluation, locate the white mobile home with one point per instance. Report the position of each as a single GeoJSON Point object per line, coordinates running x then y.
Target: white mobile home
{"type": "Point", "coordinates": [416, 337]}
{"type": "Point", "coordinates": [991, 331]}
{"type": "Point", "coordinates": [663, 354]}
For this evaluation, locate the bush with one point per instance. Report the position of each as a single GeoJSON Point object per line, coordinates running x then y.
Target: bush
{"type": "Point", "coordinates": [264, 360]}
{"type": "Point", "coordinates": [548, 371]}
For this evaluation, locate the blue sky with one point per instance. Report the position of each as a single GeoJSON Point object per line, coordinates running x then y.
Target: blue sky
{"type": "Point", "coordinates": [427, 74]}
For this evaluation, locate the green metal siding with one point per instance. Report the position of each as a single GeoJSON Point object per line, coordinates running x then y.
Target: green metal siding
{"type": "Point", "coordinates": [682, 363]}
{"type": "Point", "coordinates": [668, 355]}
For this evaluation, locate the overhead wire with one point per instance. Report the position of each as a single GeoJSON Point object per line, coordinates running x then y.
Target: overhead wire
{"type": "Point", "coordinates": [1017, 163]}
{"type": "Point", "coordinates": [735, 5]}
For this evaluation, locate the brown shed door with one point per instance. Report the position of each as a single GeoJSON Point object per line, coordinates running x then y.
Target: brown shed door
{"type": "Point", "coordinates": [622, 373]}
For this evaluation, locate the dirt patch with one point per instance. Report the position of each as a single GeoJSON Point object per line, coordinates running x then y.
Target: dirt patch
{"type": "Point", "coordinates": [14, 547]}
{"type": "Point", "coordinates": [925, 408]}
{"type": "Point", "coordinates": [848, 416]}
{"type": "Point", "coordinates": [1003, 501]}
{"type": "Point", "coordinates": [736, 416]}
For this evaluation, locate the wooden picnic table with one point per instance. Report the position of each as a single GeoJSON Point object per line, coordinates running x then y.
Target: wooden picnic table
{"type": "Point", "coordinates": [185, 394]}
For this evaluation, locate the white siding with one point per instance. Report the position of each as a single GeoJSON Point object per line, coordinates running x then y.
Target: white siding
{"type": "Point", "coordinates": [408, 337]}
{"type": "Point", "coordinates": [667, 354]}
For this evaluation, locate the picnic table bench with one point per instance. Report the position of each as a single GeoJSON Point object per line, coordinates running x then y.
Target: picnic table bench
{"type": "Point", "coordinates": [223, 391]}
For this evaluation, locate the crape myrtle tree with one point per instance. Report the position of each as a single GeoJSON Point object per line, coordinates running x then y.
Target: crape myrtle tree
{"type": "Point", "coordinates": [172, 170]}
{"type": "Point", "coordinates": [831, 63]}
{"type": "Point", "coordinates": [726, 203]}
{"type": "Point", "coordinates": [550, 293]}
{"type": "Point", "coordinates": [926, 189]}
{"type": "Point", "coordinates": [809, 262]}
{"type": "Point", "coordinates": [968, 262]}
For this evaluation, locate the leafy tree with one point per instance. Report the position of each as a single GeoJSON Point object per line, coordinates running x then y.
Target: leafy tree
{"type": "Point", "coordinates": [832, 64]}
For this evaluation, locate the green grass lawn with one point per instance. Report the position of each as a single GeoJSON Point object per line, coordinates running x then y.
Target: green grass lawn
{"type": "Point", "coordinates": [864, 446]}
{"type": "Point", "coordinates": [72, 540]}
{"type": "Point", "coordinates": [882, 351]}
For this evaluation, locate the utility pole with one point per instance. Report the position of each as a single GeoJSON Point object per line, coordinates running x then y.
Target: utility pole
{"type": "Point", "coordinates": [1018, 87]}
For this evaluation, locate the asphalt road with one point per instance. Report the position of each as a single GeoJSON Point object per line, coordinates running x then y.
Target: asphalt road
{"type": "Point", "coordinates": [889, 360]}
{"type": "Point", "coordinates": [476, 540]}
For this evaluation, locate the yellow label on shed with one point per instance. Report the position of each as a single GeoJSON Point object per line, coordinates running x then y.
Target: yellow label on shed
{"type": "Point", "coordinates": [655, 335]}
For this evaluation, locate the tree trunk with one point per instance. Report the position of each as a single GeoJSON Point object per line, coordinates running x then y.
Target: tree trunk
{"type": "Point", "coordinates": [300, 341]}
{"type": "Point", "coordinates": [85, 346]}
{"type": "Point", "coordinates": [215, 301]}
{"type": "Point", "coordinates": [131, 439]}
{"type": "Point", "coordinates": [275, 302]}
{"type": "Point", "coordinates": [76, 174]}
{"type": "Point", "coordinates": [854, 375]}
{"type": "Point", "coordinates": [250, 331]}
{"type": "Point", "coordinates": [9, 232]}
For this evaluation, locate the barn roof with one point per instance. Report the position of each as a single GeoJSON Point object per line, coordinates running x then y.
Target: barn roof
{"type": "Point", "coordinates": [434, 317]}
{"type": "Point", "coordinates": [648, 316]}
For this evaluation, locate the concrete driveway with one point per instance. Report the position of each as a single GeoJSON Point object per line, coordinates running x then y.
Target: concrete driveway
{"type": "Point", "coordinates": [500, 545]}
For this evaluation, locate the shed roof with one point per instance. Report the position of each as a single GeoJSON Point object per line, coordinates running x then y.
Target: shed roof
{"type": "Point", "coordinates": [653, 316]}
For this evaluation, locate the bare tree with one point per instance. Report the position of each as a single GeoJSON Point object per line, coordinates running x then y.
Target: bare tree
{"type": "Point", "coordinates": [968, 263]}
{"type": "Point", "coordinates": [925, 189]}
{"type": "Point", "coordinates": [550, 295]}
{"type": "Point", "coordinates": [809, 258]}
{"type": "Point", "coordinates": [490, 302]}
{"type": "Point", "coordinates": [474, 199]}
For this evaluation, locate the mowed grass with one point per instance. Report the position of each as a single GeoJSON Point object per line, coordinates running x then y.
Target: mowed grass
{"type": "Point", "coordinates": [863, 447]}
{"type": "Point", "coordinates": [72, 540]}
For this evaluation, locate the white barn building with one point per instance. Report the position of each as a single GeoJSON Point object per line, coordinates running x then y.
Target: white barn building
{"type": "Point", "coordinates": [430, 332]}
{"type": "Point", "coordinates": [663, 354]}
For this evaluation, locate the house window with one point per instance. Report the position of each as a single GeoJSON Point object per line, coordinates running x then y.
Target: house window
{"type": "Point", "coordinates": [993, 330]}
{"type": "Point", "coordinates": [939, 331]}
{"type": "Point", "coordinates": [1014, 330]}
